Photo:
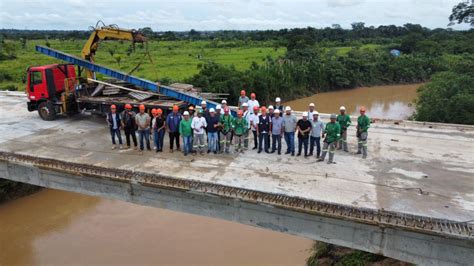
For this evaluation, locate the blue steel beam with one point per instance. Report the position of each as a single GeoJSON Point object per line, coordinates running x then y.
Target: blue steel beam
{"type": "Point", "coordinates": [142, 83]}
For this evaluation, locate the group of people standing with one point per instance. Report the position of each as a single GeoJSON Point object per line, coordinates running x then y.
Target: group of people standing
{"type": "Point", "coordinates": [217, 129]}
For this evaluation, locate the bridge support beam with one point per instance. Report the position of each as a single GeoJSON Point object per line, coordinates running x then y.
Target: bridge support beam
{"type": "Point", "coordinates": [410, 246]}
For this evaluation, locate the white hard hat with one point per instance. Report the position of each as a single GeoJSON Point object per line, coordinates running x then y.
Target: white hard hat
{"type": "Point", "coordinates": [277, 99]}
{"type": "Point", "coordinates": [315, 113]}
{"type": "Point", "coordinates": [342, 108]}
{"type": "Point", "coordinates": [305, 114]}
{"type": "Point", "coordinates": [311, 104]}
{"type": "Point", "coordinates": [333, 116]}
{"type": "Point", "coordinates": [186, 113]}
{"type": "Point", "coordinates": [218, 107]}
{"type": "Point", "coordinates": [224, 102]}
{"type": "Point", "coordinates": [245, 105]}
{"type": "Point", "coordinates": [277, 111]}
{"type": "Point", "coordinates": [212, 110]}
{"type": "Point", "coordinates": [203, 102]}
{"type": "Point", "coordinates": [287, 108]}
{"type": "Point", "coordinates": [270, 107]}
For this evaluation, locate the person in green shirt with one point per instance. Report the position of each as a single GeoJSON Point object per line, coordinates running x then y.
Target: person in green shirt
{"type": "Point", "coordinates": [240, 127]}
{"type": "Point", "coordinates": [226, 129]}
{"type": "Point", "coordinates": [332, 134]}
{"type": "Point", "coordinates": [344, 121]}
{"type": "Point", "coordinates": [186, 132]}
{"type": "Point", "coordinates": [363, 124]}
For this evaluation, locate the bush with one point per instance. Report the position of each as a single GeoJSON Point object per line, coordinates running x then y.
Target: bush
{"type": "Point", "coordinates": [9, 88]}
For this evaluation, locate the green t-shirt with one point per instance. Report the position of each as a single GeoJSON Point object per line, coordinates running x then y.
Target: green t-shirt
{"type": "Point", "coordinates": [185, 128]}
{"type": "Point", "coordinates": [333, 132]}
{"type": "Point", "coordinates": [344, 121]}
{"type": "Point", "coordinates": [363, 123]}
{"type": "Point", "coordinates": [226, 121]}
{"type": "Point", "coordinates": [240, 126]}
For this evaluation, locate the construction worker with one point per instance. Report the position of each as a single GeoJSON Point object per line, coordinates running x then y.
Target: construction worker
{"type": "Point", "coordinates": [225, 132]}
{"type": "Point", "coordinates": [278, 105]}
{"type": "Point", "coordinates": [277, 131]}
{"type": "Point", "coordinates": [191, 111]}
{"type": "Point", "coordinates": [212, 131]}
{"type": "Point", "coordinates": [205, 110]}
{"type": "Point", "coordinates": [363, 124]}
{"type": "Point", "coordinates": [271, 113]}
{"type": "Point", "coordinates": [219, 114]}
{"type": "Point", "coordinates": [152, 133]}
{"type": "Point", "coordinates": [198, 125]}
{"type": "Point", "coordinates": [243, 98]}
{"type": "Point", "coordinates": [253, 101]}
{"type": "Point", "coordinates": [344, 121]}
{"type": "Point", "coordinates": [172, 124]}
{"type": "Point", "coordinates": [186, 133]}
{"type": "Point", "coordinates": [129, 125]}
{"type": "Point", "coordinates": [289, 127]}
{"type": "Point", "coordinates": [311, 107]}
{"type": "Point", "coordinates": [303, 127]}
{"type": "Point", "coordinates": [253, 121]}
{"type": "Point", "coordinates": [240, 128]}
{"type": "Point", "coordinates": [317, 127]}
{"type": "Point", "coordinates": [332, 134]}
{"type": "Point", "coordinates": [246, 116]}
{"type": "Point", "coordinates": [264, 127]}
{"type": "Point", "coordinates": [114, 122]}
{"type": "Point", "coordinates": [143, 122]}
{"type": "Point", "coordinates": [224, 104]}
{"type": "Point", "coordinates": [159, 128]}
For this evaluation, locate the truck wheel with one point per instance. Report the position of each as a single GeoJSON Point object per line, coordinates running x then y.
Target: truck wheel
{"type": "Point", "coordinates": [46, 111]}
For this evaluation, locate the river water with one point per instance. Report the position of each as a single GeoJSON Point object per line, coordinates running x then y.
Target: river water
{"type": "Point", "coordinates": [56, 227]}
{"type": "Point", "coordinates": [393, 102]}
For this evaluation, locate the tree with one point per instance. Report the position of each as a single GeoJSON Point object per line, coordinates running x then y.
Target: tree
{"type": "Point", "coordinates": [462, 13]}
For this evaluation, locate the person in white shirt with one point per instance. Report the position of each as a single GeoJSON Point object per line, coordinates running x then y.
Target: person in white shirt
{"type": "Point", "coordinates": [198, 125]}
{"type": "Point", "coordinates": [246, 116]}
{"type": "Point", "coordinates": [253, 102]}
{"type": "Point", "coordinates": [311, 111]}
{"type": "Point", "coordinates": [253, 122]}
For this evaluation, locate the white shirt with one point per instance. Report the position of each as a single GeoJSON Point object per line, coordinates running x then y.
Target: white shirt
{"type": "Point", "coordinates": [252, 103]}
{"type": "Point", "coordinates": [253, 118]}
{"type": "Point", "coordinates": [198, 124]}
{"type": "Point", "coordinates": [246, 116]}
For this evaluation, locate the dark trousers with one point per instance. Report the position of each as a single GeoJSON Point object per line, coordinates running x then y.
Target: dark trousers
{"type": "Point", "coordinates": [144, 134]}
{"type": "Point", "coordinates": [174, 136]}
{"type": "Point", "coordinates": [276, 143]}
{"type": "Point", "coordinates": [255, 139]}
{"type": "Point", "coordinates": [263, 137]}
{"type": "Point", "coordinates": [312, 142]}
{"type": "Point", "coordinates": [303, 142]}
{"type": "Point", "coordinates": [114, 132]}
{"type": "Point", "coordinates": [130, 132]}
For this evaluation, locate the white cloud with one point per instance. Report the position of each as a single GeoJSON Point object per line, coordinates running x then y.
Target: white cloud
{"type": "Point", "coordinates": [221, 14]}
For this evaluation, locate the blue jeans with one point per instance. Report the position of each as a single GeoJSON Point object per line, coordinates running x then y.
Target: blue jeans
{"type": "Point", "coordinates": [158, 137]}
{"type": "Point", "coordinates": [114, 132]}
{"type": "Point", "coordinates": [317, 141]}
{"type": "Point", "coordinates": [144, 134]}
{"type": "Point", "coordinates": [263, 137]}
{"type": "Point", "coordinates": [290, 142]}
{"type": "Point", "coordinates": [212, 141]}
{"type": "Point", "coordinates": [276, 143]}
{"type": "Point", "coordinates": [303, 142]}
{"type": "Point", "coordinates": [187, 144]}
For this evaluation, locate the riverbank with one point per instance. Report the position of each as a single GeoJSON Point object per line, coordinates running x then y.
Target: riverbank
{"type": "Point", "coordinates": [10, 190]}
{"type": "Point", "coordinates": [388, 101]}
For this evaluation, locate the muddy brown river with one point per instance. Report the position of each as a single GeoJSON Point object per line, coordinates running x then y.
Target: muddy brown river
{"type": "Point", "coordinates": [394, 101]}
{"type": "Point", "coordinates": [56, 227]}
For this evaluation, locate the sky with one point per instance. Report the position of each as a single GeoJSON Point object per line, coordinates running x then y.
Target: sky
{"type": "Point", "coordinates": [183, 15]}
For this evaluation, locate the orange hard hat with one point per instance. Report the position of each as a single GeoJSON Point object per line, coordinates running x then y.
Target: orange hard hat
{"type": "Point", "coordinates": [159, 111]}
{"type": "Point", "coordinates": [242, 92]}
{"type": "Point", "coordinates": [226, 110]}
{"type": "Point", "coordinates": [264, 109]}
{"type": "Point", "coordinates": [175, 108]}
{"type": "Point", "coordinates": [253, 95]}
{"type": "Point", "coordinates": [362, 108]}
{"type": "Point", "coordinates": [113, 106]}
{"type": "Point", "coordinates": [255, 108]}
{"type": "Point", "coordinates": [142, 107]}
{"type": "Point", "coordinates": [128, 106]}
{"type": "Point", "coordinates": [153, 111]}
{"type": "Point", "coordinates": [240, 112]}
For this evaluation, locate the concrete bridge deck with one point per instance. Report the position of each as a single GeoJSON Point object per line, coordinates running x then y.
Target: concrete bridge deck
{"type": "Point", "coordinates": [415, 173]}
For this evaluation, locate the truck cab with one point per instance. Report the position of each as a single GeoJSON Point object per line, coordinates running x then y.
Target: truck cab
{"type": "Point", "coordinates": [49, 89]}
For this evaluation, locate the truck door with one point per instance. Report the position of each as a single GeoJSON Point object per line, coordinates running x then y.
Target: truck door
{"type": "Point", "coordinates": [36, 85]}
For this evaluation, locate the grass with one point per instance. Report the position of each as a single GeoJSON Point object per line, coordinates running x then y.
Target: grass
{"type": "Point", "coordinates": [175, 60]}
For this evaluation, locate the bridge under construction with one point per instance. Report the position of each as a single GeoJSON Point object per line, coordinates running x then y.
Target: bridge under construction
{"type": "Point", "coordinates": [412, 199]}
